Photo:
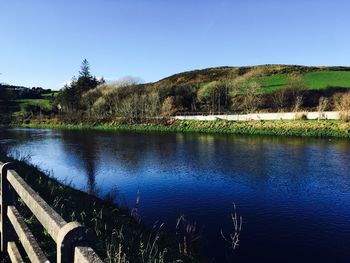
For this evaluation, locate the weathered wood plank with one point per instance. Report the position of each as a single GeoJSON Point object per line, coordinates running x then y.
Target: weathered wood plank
{"type": "Point", "coordinates": [27, 239]}
{"type": "Point", "coordinates": [13, 253]}
{"type": "Point", "coordinates": [8, 199]}
{"type": "Point", "coordinates": [48, 217]}
{"type": "Point", "coordinates": [86, 255]}
{"type": "Point", "coordinates": [71, 238]}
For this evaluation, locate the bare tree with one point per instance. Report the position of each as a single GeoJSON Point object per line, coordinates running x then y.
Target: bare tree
{"type": "Point", "coordinates": [153, 104]}
{"type": "Point", "coordinates": [279, 99]}
{"type": "Point", "coordinates": [298, 103]}
{"type": "Point", "coordinates": [127, 109]}
{"type": "Point", "coordinates": [246, 90]}
{"type": "Point", "coordinates": [247, 95]}
{"type": "Point", "coordinates": [294, 87]}
{"type": "Point", "coordinates": [322, 105]}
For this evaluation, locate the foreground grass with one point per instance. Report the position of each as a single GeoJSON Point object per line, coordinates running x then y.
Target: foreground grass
{"type": "Point", "coordinates": [307, 128]}
{"type": "Point", "coordinates": [120, 237]}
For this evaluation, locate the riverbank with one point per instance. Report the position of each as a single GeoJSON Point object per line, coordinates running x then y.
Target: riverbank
{"type": "Point", "coordinates": [299, 128]}
{"type": "Point", "coordinates": [120, 234]}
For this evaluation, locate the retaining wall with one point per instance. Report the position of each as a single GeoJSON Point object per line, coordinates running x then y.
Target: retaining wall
{"type": "Point", "coordinates": [327, 115]}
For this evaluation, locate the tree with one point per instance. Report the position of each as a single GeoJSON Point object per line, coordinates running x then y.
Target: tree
{"type": "Point", "coordinates": [152, 106]}
{"type": "Point", "coordinates": [226, 86]}
{"type": "Point", "coordinates": [294, 87]}
{"type": "Point", "coordinates": [85, 69]}
{"type": "Point", "coordinates": [168, 108]}
{"type": "Point", "coordinates": [246, 90]}
{"type": "Point", "coordinates": [213, 95]}
{"type": "Point", "coordinates": [246, 95]}
{"type": "Point", "coordinates": [89, 98]}
{"type": "Point", "coordinates": [279, 99]}
{"type": "Point", "coordinates": [127, 109]}
{"type": "Point", "coordinates": [298, 103]}
{"type": "Point", "coordinates": [68, 98]}
{"type": "Point", "coordinates": [322, 105]}
{"type": "Point", "coordinates": [71, 95]}
{"type": "Point", "coordinates": [207, 95]}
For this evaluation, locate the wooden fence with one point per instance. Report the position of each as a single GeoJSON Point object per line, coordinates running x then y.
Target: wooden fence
{"type": "Point", "coordinates": [72, 239]}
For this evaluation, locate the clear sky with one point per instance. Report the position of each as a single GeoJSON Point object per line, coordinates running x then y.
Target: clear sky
{"type": "Point", "coordinates": [42, 42]}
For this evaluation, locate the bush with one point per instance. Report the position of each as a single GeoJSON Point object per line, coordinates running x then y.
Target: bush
{"type": "Point", "coordinates": [342, 104]}
{"type": "Point", "coordinates": [300, 116]}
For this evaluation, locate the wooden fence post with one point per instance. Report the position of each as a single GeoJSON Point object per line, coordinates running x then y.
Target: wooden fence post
{"type": "Point", "coordinates": [71, 235]}
{"type": "Point", "coordinates": [8, 198]}
{"type": "Point", "coordinates": [72, 239]}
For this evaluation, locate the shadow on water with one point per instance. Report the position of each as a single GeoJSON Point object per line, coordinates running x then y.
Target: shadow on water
{"type": "Point", "coordinates": [85, 148]}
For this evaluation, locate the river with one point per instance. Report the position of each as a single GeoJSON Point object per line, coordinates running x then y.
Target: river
{"type": "Point", "coordinates": [293, 193]}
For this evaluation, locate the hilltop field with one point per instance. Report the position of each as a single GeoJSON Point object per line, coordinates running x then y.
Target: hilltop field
{"type": "Point", "coordinates": [275, 77]}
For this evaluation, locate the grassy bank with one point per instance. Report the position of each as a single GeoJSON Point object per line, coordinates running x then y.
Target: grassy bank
{"type": "Point", "coordinates": [307, 128]}
{"type": "Point", "coordinates": [120, 236]}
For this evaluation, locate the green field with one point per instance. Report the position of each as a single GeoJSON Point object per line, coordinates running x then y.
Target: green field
{"type": "Point", "coordinates": [50, 95]}
{"type": "Point", "coordinates": [19, 105]}
{"type": "Point", "coordinates": [40, 102]}
{"type": "Point", "coordinates": [313, 80]}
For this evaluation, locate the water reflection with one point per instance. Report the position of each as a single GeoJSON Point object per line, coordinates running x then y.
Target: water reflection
{"type": "Point", "coordinates": [84, 147]}
{"type": "Point", "coordinates": [257, 160]}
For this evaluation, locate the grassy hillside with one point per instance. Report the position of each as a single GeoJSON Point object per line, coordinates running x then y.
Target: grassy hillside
{"type": "Point", "coordinates": [275, 76]}
{"type": "Point", "coordinates": [44, 103]}
{"type": "Point", "coordinates": [313, 80]}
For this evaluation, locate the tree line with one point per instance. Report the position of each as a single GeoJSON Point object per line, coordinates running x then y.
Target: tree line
{"type": "Point", "coordinates": [241, 93]}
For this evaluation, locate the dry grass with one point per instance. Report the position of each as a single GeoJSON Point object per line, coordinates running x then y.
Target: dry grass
{"type": "Point", "coordinates": [233, 237]}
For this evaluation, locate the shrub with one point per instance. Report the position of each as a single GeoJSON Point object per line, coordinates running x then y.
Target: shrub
{"type": "Point", "coordinates": [168, 108]}
{"type": "Point", "coordinates": [300, 116]}
{"type": "Point", "coordinates": [342, 104]}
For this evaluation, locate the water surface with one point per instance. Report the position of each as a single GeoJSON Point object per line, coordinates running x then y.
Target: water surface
{"type": "Point", "coordinates": [293, 193]}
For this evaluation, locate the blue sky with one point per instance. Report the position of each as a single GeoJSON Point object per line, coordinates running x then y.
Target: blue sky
{"type": "Point", "coordinates": [42, 42]}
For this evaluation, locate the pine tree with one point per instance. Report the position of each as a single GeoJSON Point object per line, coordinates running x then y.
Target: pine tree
{"type": "Point", "coordinates": [85, 69]}
{"type": "Point", "coordinates": [71, 94]}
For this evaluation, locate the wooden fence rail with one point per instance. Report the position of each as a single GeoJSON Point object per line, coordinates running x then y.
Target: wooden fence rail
{"type": "Point", "coordinates": [72, 239]}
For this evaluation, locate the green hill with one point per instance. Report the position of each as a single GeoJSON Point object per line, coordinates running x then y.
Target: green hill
{"type": "Point", "coordinates": [196, 91]}
{"type": "Point", "coordinates": [313, 80]}
{"type": "Point", "coordinates": [275, 76]}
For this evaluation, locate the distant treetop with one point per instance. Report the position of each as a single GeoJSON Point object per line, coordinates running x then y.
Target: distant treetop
{"type": "Point", "coordinates": [85, 69]}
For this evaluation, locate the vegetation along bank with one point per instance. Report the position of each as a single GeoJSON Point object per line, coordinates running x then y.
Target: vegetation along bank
{"type": "Point", "coordinates": [308, 128]}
